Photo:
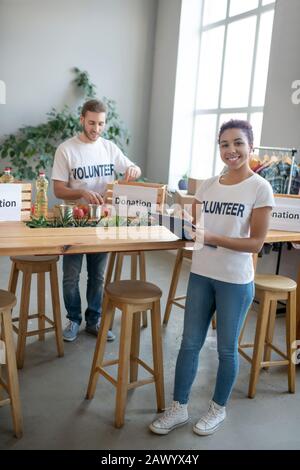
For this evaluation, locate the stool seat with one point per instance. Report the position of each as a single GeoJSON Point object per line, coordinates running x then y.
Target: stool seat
{"type": "Point", "coordinates": [271, 289]}
{"type": "Point", "coordinates": [274, 283]}
{"type": "Point", "coordinates": [133, 292]}
{"type": "Point", "coordinates": [131, 297]}
{"type": "Point", "coordinates": [115, 265]}
{"type": "Point", "coordinates": [34, 259]}
{"type": "Point", "coordinates": [28, 266]}
{"type": "Point", "coordinates": [7, 299]}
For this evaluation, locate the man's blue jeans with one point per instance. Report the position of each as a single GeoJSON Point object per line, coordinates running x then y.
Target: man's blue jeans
{"type": "Point", "coordinates": [231, 301]}
{"type": "Point", "coordinates": [96, 264]}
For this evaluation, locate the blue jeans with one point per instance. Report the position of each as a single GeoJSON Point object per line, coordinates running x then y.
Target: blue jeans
{"type": "Point", "coordinates": [231, 301]}
{"type": "Point", "coordinates": [96, 264]}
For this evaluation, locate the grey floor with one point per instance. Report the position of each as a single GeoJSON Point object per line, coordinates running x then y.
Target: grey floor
{"type": "Point", "coordinates": [57, 416]}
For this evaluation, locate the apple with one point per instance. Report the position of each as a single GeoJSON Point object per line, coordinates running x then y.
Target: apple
{"type": "Point", "coordinates": [78, 213]}
{"type": "Point", "coordinates": [105, 211]}
{"type": "Point", "coordinates": [84, 208]}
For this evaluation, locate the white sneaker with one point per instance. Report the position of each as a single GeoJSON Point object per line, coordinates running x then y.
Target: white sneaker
{"type": "Point", "coordinates": [173, 417]}
{"type": "Point", "coordinates": [211, 421]}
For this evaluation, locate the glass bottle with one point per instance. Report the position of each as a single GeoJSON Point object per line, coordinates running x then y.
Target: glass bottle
{"type": "Point", "coordinates": [7, 177]}
{"type": "Point", "coordinates": [41, 201]}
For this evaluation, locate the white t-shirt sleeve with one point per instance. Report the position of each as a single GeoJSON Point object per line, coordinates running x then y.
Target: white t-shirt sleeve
{"type": "Point", "coordinates": [120, 160]}
{"type": "Point", "coordinates": [264, 196]}
{"type": "Point", "coordinates": [60, 170]}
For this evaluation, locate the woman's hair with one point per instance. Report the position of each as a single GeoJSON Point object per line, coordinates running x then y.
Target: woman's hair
{"type": "Point", "coordinates": [245, 126]}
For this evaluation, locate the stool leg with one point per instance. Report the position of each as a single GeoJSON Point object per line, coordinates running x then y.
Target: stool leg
{"type": "Point", "coordinates": [107, 313]}
{"type": "Point", "coordinates": [13, 278]}
{"type": "Point", "coordinates": [260, 334]}
{"type": "Point", "coordinates": [41, 304]}
{"type": "Point", "coordinates": [135, 346]}
{"type": "Point", "coordinates": [157, 356]}
{"type": "Point", "coordinates": [270, 332]}
{"type": "Point", "coordinates": [142, 264]}
{"type": "Point", "coordinates": [173, 286]}
{"type": "Point", "coordinates": [12, 375]}
{"type": "Point", "coordinates": [56, 310]}
{"type": "Point", "coordinates": [291, 338]}
{"type": "Point", "coordinates": [117, 277]}
{"type": "Point", "coordinates": [119, 266]}
{"type": "Point", "coordinates": [124, 358]}
{"type": "Point", "coordinates": [23, 318]}
{"type": "Point", "coordinates": [110, 268]}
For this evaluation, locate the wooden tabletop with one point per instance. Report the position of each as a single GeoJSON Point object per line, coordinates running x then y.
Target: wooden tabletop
{"type": "Point", "coordinates": [281, 236]}
{"type": "Point", "coordinates": [18, 239]}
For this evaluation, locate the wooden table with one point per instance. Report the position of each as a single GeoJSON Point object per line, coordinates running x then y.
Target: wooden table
{"type": "Point", "coordinates": [18, 239]}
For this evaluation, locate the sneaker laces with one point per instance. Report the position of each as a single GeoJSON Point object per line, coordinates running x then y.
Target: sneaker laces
{"type": "Point", "coordinates": [70, 326]}
{"type": "Point", "coordinates": [169, 413]}
{"type": "Point", "coordinates": [211, 414]}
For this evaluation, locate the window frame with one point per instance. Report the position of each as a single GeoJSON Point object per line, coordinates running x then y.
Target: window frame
{"type": "Point", "coordinates": [221, 110]}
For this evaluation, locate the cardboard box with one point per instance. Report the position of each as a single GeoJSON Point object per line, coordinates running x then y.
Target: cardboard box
{"type": "Point", "coordinates": [193, 185]}
{"type": "Point", "coordinates": [182, 197]}
{"type": "Point", "coordinates": [286, 213]}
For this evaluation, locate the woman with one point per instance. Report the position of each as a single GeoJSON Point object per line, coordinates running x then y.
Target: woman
{"type": "Point", "coordinates": [235, 209]}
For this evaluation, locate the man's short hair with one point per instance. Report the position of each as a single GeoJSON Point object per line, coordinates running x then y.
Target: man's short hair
{"type": "Point", "coordinates": [95, 106]}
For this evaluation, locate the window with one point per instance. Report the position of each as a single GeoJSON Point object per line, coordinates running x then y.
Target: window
{"type": "Point", "coordinates": [232, 74]}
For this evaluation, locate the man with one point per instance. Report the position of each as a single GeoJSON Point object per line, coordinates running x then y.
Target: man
{"type": "Point", "coordinates": [83, 165]}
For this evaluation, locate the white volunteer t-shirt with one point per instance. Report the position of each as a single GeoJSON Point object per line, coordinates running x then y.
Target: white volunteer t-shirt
{"type": "Point", "coordinates": [88, 166]}
{"type": "Point", "coordinates": [227, 211]}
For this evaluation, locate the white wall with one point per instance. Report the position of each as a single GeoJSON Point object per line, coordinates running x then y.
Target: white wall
{"type": "Point", "coordinates": [281, 124]}
{"type": "Point", "coordinates": [163, 90]}
{"type": "Point", "coordinates": [40, 41]}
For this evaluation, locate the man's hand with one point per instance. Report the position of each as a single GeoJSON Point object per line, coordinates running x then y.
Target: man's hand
{"type": "Point", "coordinates": [92, 197]}
{"type": "Point", "coordinates": [132, 173]}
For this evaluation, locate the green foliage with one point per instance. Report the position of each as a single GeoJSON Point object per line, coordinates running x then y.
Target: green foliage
{"type": "Point", "coordinates": [69, 221]}
{"type": "Point", "coordinates": [59, 222]}
{"type": "Point", "coordinates": [32, 148]}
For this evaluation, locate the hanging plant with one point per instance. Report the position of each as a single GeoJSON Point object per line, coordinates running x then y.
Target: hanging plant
{"type": "Point", "coordinates": [32, 148]}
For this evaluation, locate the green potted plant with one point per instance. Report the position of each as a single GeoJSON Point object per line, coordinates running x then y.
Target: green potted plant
{"type": "Point", "coordinates": [32, 148]}
{"type": "Point", "coordinates": [183, 182]}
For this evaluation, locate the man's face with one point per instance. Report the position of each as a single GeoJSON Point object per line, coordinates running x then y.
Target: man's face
{"type": "Point", "coordinates": [92, 125]}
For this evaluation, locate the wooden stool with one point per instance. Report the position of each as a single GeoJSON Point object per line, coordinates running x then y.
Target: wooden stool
{"type": "Point", "coordinates": [115, 264]}
{"type": "Point", "coordinates": [131, 297]}
{"type": "Point", "coordinates": [269, 289]}
{"type": "Point", "coordinates": [36, 265]}
{"type": "Point", "coordinates": [172, 300]}
{"type": "Point", "coordinates": [11, 386]}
